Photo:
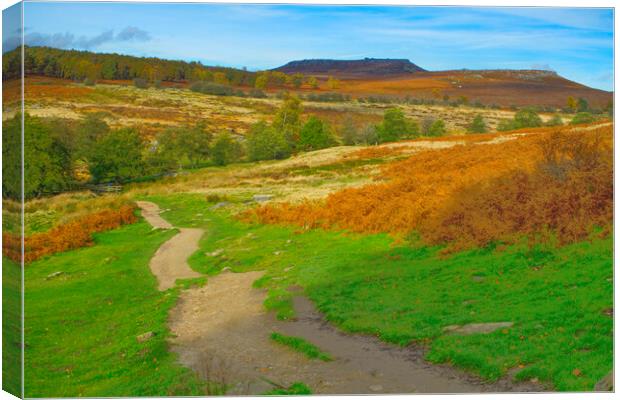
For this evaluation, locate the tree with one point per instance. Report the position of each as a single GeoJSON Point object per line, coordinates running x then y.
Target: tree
{"type": "Point", "coordinates": [88, 131]}
{"type": "Point", "coordinates": [427, 122]}
{"type": "Point", "coordinates": [313, 82]}
{"type": "Point", "coordinates": [571, 103]}
{"type": "Point", "coordinates": [47, 162]}
{"type": "Point", "coordinates": [348, 132]}
{"type": "Point", "coordinates": [369, 135]}
{"type": "Point", "coordinates": [394, 126]}
{"type": "Point", "coordinates": [287, 120]}
{"type": "Point", "coordinates": [315, 135]}
{"type": "Point", "coordinates": [437, 128]}
{"type": "Point", "coordinates": [582, 105]}
{"type": "Point", "coordinates": [527, 118]}
{"type": "Point", "coordinates": [193, 143]}
{"type": "Point", "coordinates": [266, 143]}
{"type": "Point", "coordinates": [117, 156]}
{"type": "Point", "coordinates": [333, 83]}
{"type": "Point", "coordinates": [582, 118]}
{"type": "Point", "coordinates": [478, 125]}
{"type": "Point", "coordinates": [261, 80]}
{"type": "Point", "coordinates": [226, 149]}
{"type": "Point", "coordinates": [297, 80]}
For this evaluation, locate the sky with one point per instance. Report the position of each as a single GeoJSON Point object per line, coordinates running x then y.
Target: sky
{"type": "Point", "coordinates": [577, 43]}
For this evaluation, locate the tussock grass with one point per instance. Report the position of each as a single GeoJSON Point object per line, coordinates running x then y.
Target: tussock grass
{"type": "Point", "coordinates": [300, 345]}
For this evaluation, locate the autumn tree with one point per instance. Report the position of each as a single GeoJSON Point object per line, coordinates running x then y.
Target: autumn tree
{"type": "Point", "coordinates": [333, 83]}
{"type": "Point", "coordinates": [348, 132]}
{"type": "Point", "coordinates": [287, 120]}
{"type": "Point", "coordinates": [313, 82]}
{"type": "Point", "coordinates": [571, 103]}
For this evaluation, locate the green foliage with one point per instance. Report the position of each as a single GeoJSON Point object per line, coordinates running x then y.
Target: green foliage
{"type": "Point", "coordinates": [296, 389]}
{"type": "Point", "coordinates": [315, 135]}
{"type": "Point", "coordinates": [78, 65]}
{"type": "Point", "coordinates": [297, 80]}
{"type": "Point", "coordinates": [189, 145]}
{"type": "Point", "coordinates": [287, 120]}
{"type": "Point", "coordinates": [216, 89]}
{"type": "Point", "coordinates": [582, 118]}
{"type": "Point", "coordinates": [505, 125]}
{"type": "Point", "coordinates": [478, 125]}
{"type": "Point", "coordinates": [117, 156]}
{"type": "Point", "coordinates": [437, 128]}
{"type": "Point", "coordinates": [582, 105]}
{"type": "Point", "coordinates": [368, 135]}
{"type": "Point", "coordinates": [395, 126]}
{"type": "Point", "coordinates": [90, 129]}
{"type": "Point", "coordinates": [556, 120]}
{"type": "Point", "coordinates": [47, 161]}
{"type": "Point", "coordinates": [301, 345]}
{"type": "Point", "coordinates": [266, 143]}
{"type": "Point", "coordinates": [226, 149]}
{"type": "Point", "coordinates": [527, 118]}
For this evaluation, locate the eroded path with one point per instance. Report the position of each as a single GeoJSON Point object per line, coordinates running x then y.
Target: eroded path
{"type": "Point", "coordinates": [222, 331]}
{"type": "Point", "coordinates": [170, 261]}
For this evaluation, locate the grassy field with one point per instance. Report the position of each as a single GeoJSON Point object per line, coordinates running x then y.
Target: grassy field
{"type": "Point", "coordinates": [558, 298]}
{"type": "Point", "coordinates": [11, 327]}
{"type": "Point", "coordinates": [82, 325]}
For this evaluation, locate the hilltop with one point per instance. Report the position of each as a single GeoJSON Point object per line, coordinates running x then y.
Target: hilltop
{"type": "Point", "coordinates": [367, 67]}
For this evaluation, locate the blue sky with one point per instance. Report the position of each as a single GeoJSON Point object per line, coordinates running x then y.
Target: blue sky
{"type": "Point", "coordinates": [575, 42]}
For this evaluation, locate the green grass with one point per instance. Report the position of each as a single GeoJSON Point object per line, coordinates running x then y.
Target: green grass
{"type": "Point", "coordinates": [406, 293]}
{"type": "Point", "coordinates": [81, 326]}
{"type": "Point", "coordinates": [11, 327]}
{"type": "Point", "coordinates": [295, 389]}
{"type": "Point", "coordinates": [301, 345]}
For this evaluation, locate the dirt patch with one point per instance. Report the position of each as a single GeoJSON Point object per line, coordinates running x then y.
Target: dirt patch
{"type": "Point", "coordinates": [222, 332]}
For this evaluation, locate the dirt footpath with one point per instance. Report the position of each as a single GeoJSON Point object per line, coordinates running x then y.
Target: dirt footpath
{"type": "Point", "coordinates": [170, 261]}
{"type": "Point", "coordinates": [222, 332]}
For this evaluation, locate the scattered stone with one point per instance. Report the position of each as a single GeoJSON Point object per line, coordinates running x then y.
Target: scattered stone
{"type": "Point", "coordinates": [260, 198]}
{"type": "Point", "coordinates": [220, 205]}
{"type": "Point", "coordinates": [606, 384]}
{"type": "Point", "coordinates": [144, 337]}
{"type": "Point", "coordinates": [376, 388]}
{"type": "Point", "coordinates": [277, 253]}
{"type": "Point", "coordinates": [54, 275]}
{"type": "Point", "coordinates": [215, 253]}
{"type": "Point", "coordinates": [470, 329]}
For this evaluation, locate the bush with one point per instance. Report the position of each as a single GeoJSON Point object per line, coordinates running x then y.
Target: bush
{"type": "Point", "coordinates": [478, 125]}
{"type": "Point", "coordinates": [527, 118]}
{"type": "Point", "coordinates": [89, 82]}
{"type": "Point", "coordinates": [395, 126]}
{"type": "Point", "coordinates": [582, 118]}
{"type": "Point", "coordinates": [556, 120]}
{"type": "Point", "coordinates": [140, 83]}
{"type": "Point", "coordinates": [437, 128]}
{"type": "Point", "coordinates": [211, 88]}
{"type": "Point", "coordinates": [257, 94]}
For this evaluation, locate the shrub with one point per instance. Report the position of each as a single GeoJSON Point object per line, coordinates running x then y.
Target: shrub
{"type": "Point", "coordinates": [140, 83]}
{"type": "Point", "coordinates": [212, 88]}
{"type": "Point", "coordinates": [257, 93]}
{"type": "Point", "coordinates": [266, 143]}
{"type": "Point", "coordinates": [527, 118]}
{"type": "Point", "coordinates": [89, 82]}
{"type": "Point", "coordinates": [582, 118]}
{"type": "Point", "coordinates": [395, 126]}
{"type": "Point", "coordinates": [437, 128]}
{"type": "Point", "coordinates": [69, 236]}
{"type": "Point", "coordinates": [478, 125]}
{"type": "Point", "coordinates": [556, 120]}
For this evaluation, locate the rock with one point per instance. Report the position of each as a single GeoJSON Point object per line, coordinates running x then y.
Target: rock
{"type": "Point", "coordinates": [477, 278]}
{"type": "Point", "coordinates": [54, 275]}
{"type": "Point", "coordinates": [226, 269]}
{"type": "Point", "coordinates": [375, 388]}
{"type": "Point", "coordinates": [606, 384]}
{"type": "Point", "coordinates": [470, 329]}
{"type": "Point", "coordinates": [260, 198]}
{"type": "Point", "coordinates": [277, 253]}
{"type": "Point", "coordinates": [144, 337]}
{"type": "Point", "coordinates": [215, 253]}
{"type": "Point", "coordinates": [220, 205]}
{"type": "Point", "coordinates": [289, 241]}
